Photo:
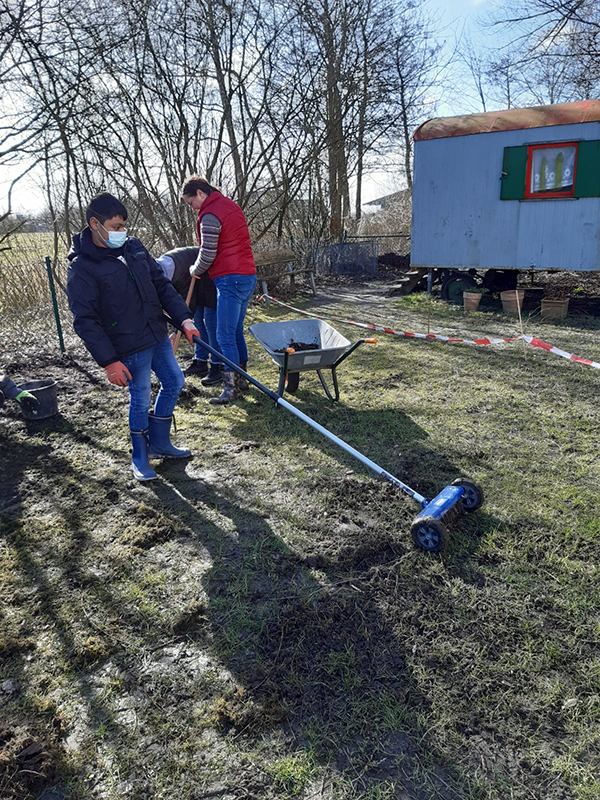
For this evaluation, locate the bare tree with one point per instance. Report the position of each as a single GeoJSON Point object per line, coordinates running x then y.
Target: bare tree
{"type": "Point", "coordinates": [281, 104]}
{"type": "Point", "coordinates": [554, 50]}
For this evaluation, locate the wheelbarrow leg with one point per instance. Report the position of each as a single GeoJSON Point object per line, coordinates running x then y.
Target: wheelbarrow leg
{"type": "Point", "coordinates": [326, 388]}
{"type": "Point", "coordinates": [281, 387]}
{"type": "Point", "coordinates": [283, 374]}
{"type": "Point", "coordinates": [335, 382]}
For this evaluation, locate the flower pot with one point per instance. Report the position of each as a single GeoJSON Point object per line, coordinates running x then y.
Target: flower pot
{"type": "Point", "coordinates": [512, 300]}
{"type": "Point", "coordinates": [471, 300]}
{"type": "Point", "coordinates": [555, 309]}
{"type": "Point", "coordinates": [45, 391]}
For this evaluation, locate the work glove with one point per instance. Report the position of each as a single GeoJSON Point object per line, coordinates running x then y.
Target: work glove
{"type": "Point", "coordinates": [27, 401]}
{"type": "Point", "coordinates": [190, 330]}
{"type": "Point", "coordinates": [118, 373]}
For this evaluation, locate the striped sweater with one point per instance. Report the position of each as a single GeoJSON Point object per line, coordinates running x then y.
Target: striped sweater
{"type": "Point", "coordinates": [210, 229]}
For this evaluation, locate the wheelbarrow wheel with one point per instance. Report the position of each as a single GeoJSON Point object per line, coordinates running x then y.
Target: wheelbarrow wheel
{"type": "Point", "coordinates": [292, 381]}
{"type": "Point", "coordinates": [429, 534]}
{"type": "Point", "coordinates": [473, 496]}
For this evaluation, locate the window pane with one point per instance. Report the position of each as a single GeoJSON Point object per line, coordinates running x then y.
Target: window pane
{"type": "Point", "coordinates": [552, 169]}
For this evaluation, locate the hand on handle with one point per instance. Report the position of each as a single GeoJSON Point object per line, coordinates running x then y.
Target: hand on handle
{"type": "Point", "coordinates": [190, 330]}
{"type": "Point", "coordinates": [118, 373]}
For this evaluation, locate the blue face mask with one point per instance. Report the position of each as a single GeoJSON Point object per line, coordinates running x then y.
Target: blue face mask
{"type": "Point", "coordinates": [115, 238]}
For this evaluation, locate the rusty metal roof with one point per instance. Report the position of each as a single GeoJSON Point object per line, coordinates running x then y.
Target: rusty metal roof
{"type": "Point", "coordinates": [512, 120]}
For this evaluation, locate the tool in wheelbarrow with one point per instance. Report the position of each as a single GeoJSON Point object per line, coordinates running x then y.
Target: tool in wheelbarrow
{"type": "Point", "coordinates": [428, 528]}
{"type": "Point", "coordinates": [300, 345]}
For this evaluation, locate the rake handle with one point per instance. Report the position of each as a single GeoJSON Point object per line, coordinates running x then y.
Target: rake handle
{"type": "Point", "coordinates": [187, 302]}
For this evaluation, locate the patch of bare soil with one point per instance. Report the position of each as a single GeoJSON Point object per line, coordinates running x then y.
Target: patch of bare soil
{"type": "Point", "coordinates": [27, 761]}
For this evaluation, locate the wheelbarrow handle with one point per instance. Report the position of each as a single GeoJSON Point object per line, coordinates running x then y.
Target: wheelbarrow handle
{"type": "Point", "coordinates": [352, 349]}
{"type": "Point", "coordinates": [236, 368]}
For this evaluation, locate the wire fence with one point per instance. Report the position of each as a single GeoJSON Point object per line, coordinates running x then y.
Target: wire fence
{"type": "Point", "coordinates": [32, 287]}
{"type": "Point", "coordinates": [385, 243]}
{"type": "Point", "coordinates": [362, 255]}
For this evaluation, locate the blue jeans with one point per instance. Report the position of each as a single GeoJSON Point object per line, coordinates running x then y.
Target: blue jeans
{"type": "Point", "coordinates": [161, 360]}
{"type": "Point", "coordinates": [233, 295]}
{"type": "Point", "coordinates": [205, 319]}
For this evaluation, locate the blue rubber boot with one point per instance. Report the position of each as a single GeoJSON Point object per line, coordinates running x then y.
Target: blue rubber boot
{"type": "Point", "coordinates": [159, 430]}
{"type": "Point", "coordinates": [142, 471]}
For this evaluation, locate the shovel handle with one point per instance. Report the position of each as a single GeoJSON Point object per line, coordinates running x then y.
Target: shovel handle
{"type": "Point", "coordinates": [371, 341]}
{"type": "Point", "coordinates": [187, 302]}
{"type": "Point", "coordinates": [290, 350]}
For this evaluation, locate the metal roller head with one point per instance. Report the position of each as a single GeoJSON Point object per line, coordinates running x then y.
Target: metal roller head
{"type": "Point", "coordinates": [443, 503]}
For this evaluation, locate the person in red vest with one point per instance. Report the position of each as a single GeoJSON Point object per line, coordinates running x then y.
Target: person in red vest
{"type": "Point", "coordinates": [226, 254]}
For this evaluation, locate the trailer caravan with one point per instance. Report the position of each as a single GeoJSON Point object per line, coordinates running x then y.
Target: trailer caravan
{"type": "Point", "coordinates": [506, 191]}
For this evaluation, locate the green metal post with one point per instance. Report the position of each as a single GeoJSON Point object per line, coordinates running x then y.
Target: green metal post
{"type": "Point", "coordinates": [55, 304]}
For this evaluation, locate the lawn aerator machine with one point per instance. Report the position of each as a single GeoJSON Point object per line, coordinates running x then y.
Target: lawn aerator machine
{"type": "Point", "coordinates": [429, 526]}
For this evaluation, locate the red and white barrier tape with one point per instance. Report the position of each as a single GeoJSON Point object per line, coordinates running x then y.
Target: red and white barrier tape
{"type": "Point", "coordinates": [436, 336]}
{"type": "Point", "coordinates": [557, 352]}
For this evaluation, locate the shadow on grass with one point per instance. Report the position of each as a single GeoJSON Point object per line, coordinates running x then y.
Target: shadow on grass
{"type": "Point", "coordinates": [44, 557]}
{"type": "Point", "coordinates": [317, 654]}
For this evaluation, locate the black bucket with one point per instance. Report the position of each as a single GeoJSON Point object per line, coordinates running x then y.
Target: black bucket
{"type": "Point", "coordinates": [45, 391]}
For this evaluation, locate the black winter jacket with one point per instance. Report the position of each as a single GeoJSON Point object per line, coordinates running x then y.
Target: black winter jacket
{"type": "Point", "coordinates": [205, 292]}
{"type": "Point", "coordinates": [118, 307]}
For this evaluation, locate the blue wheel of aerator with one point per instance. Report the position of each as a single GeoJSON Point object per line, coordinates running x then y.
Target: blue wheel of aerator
{"type": "Point", "coordinates": [429, 534]}
{"type": "Point", "coordinates": [473, 496]}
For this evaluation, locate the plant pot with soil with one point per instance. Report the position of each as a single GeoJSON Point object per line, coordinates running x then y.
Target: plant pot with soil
{"type": "Point", "coordinates": [512, 300]}
{"type": "Point", "coordinates": [472, 298]}
{"type": "Point", "coordinates": [556, 305]}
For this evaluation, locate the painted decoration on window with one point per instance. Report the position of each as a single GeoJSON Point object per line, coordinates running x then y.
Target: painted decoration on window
{"type": "Point", "coordinates": [551, 170]}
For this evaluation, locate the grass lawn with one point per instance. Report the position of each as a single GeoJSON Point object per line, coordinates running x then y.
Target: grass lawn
{"type": "Point", "coordinates": [257, 623]}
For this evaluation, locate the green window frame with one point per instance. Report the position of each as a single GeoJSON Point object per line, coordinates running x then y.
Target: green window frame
{"type": "Point", "coordinates": [516, 159]}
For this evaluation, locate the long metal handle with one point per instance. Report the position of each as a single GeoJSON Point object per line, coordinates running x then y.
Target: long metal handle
{"type": "Point", "coordinates": [187, 302]}
{"type": "Point", "coordinates": [341, 443]}
{"type": "Point", "coordinates": [332, 437]}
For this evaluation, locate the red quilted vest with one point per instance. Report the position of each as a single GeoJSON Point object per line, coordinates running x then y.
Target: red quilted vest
{"type": "Point", "coordinates": [234, 253]}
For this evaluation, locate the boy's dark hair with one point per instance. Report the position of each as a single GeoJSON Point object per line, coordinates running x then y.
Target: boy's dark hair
{"type": "Point", "coordinates": [195, 182]}
{"type": "Point", "coordinates": [105, 206]}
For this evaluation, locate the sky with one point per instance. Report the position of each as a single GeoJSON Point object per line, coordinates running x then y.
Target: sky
{"type": "Point", "coordinates": [460, 18]}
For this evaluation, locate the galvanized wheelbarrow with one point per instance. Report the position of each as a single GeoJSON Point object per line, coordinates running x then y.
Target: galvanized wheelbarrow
{"type": "Point", "coordinates": [325, 348]}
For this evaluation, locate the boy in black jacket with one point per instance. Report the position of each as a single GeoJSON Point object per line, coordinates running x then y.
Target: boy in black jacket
{"type": "Point", "coordinates": [117, 294]}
